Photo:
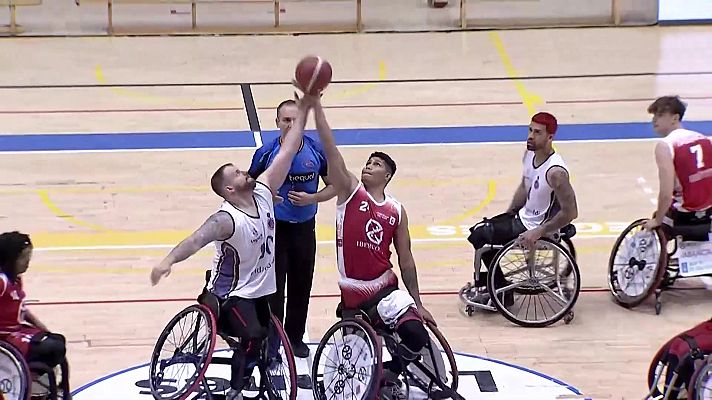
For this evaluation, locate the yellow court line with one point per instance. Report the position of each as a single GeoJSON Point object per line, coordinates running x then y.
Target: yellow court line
{"type": "Point", "coordinates": [44, 197]}
{"type": "Point", "coordinates": [491, 193]}
{"type": "Point", "coordinates": [529, 99]}
{"type": "Point", "coordinates": [85, 189]}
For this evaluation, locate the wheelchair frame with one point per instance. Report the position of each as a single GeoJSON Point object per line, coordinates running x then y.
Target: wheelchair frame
{"type": "Point", "coordinates": [470, 290]}
{"type": "Point", "coordinates": [360, 318]}
{"type": "Point", "coordinates": [667, 268]}
{"type": "Point", "coordinates": [27, 368]}
{"type": "Point", "coordinates": [200, 385]}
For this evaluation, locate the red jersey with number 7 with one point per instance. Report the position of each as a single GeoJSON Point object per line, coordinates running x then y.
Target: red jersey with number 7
{"type": "Point", "coordinates": [364, 233]}
{"type": "Point", "coordinates": [692, 158]}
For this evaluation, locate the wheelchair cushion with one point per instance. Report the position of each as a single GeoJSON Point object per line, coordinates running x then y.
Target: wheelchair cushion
{"type": "Point", "coordinates": [697, 233]}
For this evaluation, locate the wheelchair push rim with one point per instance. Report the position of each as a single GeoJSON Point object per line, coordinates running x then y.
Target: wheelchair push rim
{"type": "Point", "coordinates": [204, 342]}
{"type": "Point", "coordinates": [701, 382]}
{"type": "Point", "coordinates": [287, 369]}
{"type": "Point", "coordinates": [450, 378]}
{"type": "Point", "coordinates": [553, 282]}
{"type": "Point", "coordinates": [358, 340]}
{"type": "Point", "coordinates": [18, 387]}
{"type": "Point", "coordinates": [636, 264]}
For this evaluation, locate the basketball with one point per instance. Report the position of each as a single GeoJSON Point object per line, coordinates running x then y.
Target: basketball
{"type": "Point", "coordinates": [313, 74]}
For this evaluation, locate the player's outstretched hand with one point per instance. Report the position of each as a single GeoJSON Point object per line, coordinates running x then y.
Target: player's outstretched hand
{"type": "Point", "coordinates": [158, 272]}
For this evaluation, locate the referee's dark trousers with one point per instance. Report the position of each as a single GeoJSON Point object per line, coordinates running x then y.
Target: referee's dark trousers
{"type": "Point", "coordinates": [295, 249]}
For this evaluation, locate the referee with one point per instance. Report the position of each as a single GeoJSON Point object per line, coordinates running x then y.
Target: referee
{"type": "Point", "coordinates": [295, 235]}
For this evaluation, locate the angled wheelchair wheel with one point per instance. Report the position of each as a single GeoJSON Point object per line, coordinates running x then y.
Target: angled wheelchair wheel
{"type": "Point", "coordinates": [52, 382]}
{"type": "Point", "coordinates": [183, 353]}
{"type": "Point", "coordinates": [637, 264]}
{"type": "Point", "coordinates": [348, 362]}
{"type": "Point", "coordinates": [280, 373]}
{"type": "Point", "coordinates": [536, 288]}
{"type": "Point", "coordinates": [701, 382]}
{"type": "Point", "coordinates": [435, 375]}
{"type": "Point", "coordinates": [14, 374]}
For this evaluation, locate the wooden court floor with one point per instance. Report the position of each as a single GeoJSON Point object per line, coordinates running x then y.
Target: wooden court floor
{"type": "Point", "coordinates": [102, 220]}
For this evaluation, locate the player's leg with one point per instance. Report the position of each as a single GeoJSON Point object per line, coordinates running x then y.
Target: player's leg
{"type": "Point", "coordinates": [301, 274]}
{"type": "Point", "coordinates": [47, 348]}
{"type": "Point", "coordinates": [498, 230]}
{"type": "Point", "coordinates": [281, 263]}
{"type": "Point", "coordinates": [240, 318]}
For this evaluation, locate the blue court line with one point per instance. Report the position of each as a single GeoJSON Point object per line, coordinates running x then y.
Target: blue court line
{"type": "Point", "coordinates": [366, 136]}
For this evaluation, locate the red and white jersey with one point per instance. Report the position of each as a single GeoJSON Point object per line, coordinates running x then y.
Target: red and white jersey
{"type": "Point", "coordinates": [364, 233]}
{"type": "Point", "coordinates": [12, 304]}
{"type": "Point", "coordinates": [692, 158]}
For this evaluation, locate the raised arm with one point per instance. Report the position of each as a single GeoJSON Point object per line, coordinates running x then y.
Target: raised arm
{"type": "Point", "coordinates": [406, 263]}
{"type": "Point", "coordinates": [339, 176]}
{"type": "Point", "coordinates": [218, 226]}
{"type": "Point", "coordinates": [276, 173]}
{"type": "Point", "coordinates": [666, 183]}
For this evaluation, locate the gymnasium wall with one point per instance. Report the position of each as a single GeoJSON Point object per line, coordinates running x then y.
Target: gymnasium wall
{"type": "Point", "coordinates": [90, 17]}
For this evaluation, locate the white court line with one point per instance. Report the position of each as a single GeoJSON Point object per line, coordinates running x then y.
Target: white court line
{"type": "Point", "coordinates": [320, 243]}
{"type": "Point", "coordinates": [520, 143]}
{"type": "Point", "coordinates": [647, 190]}
{"type": "Point", "coordinates": [258, 138]}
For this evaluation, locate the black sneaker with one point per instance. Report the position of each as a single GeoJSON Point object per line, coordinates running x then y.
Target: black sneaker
{"type": "Point", "coordinates": [300, 349]}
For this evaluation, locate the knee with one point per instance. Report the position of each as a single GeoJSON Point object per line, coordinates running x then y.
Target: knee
{"type": "Point", "coordinates": [480, 234]}
{"type": "Point", "coordinates": [49, 349]}
{"type": "Point", "coordinates": [413, 335]}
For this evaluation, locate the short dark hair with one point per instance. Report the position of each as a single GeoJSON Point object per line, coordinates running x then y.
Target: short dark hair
{"type": "Point", "coordinates": [387, 159]}
{"type": "Point", "coordinates": [11, 245]}
{"type": "Point", "coordinates": [671, 104]}
{"type": "Point", "coordinates": [285, 103]}
{"type": "Point", "coordinates": [216, 181]}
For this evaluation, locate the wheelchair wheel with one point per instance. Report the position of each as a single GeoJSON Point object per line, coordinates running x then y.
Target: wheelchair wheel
{"type": "Point", "coordinates": [701, 382]}
{"type": "Point", "coordinates": [183, 353]}
{"type": "Point", "coordinates": [348, 362]}
{"type": "Point", "coordinates": [14, 373]}
{"type": "Point", "coordinates": [282, 375]}
{"type": "Point", "coordinates": [637, 264]}
{"type": "Point", "coordinates": [431, 359]}
{"type": "Point", "coordinates": [537, 287]}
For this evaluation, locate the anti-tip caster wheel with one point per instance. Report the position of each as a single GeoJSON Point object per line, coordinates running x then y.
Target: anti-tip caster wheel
{"type": "Point", "coordinates": [569, 317]}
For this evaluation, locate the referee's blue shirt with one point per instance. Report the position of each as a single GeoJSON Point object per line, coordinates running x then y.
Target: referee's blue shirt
{"type": "Point", "coordinates": [308, 164]}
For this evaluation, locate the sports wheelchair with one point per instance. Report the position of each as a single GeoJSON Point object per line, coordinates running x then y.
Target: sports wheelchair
{"type": "Point", "coordinates": [688, 379]}
{"type": "Point", "coordinates": [642, 263]}
{"type": "Point", "coordinates": [549, 272]}
{"type": "Point", "coordinates": [190, 351]}
{"type": "Point", "coordinates": [16, 382]}
{"type": "Point", "coordinates": [348, 363]}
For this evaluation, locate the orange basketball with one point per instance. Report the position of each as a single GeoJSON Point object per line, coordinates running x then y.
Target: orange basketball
{"type": "Point", "coordinates": [313, 74]}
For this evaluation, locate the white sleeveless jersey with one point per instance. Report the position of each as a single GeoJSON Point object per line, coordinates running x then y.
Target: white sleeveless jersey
{"type": "Point", "coordinates": [244, 263]}
{"type": "Point", "coordinates": [541, 203]}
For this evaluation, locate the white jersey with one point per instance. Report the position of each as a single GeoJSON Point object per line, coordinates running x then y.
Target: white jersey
{"type": "Point", "coordinates": [541, 203]}
{"type": "Point", "coordinates": [244, 263]}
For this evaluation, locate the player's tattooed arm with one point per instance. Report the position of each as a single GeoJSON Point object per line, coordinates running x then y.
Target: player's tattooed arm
{"type": "Point", "coordinates": [218, 226]}
{"type": "Point", "coordinates": [519, 199]}
{"type": "Point", "coordinates": [559, 180]}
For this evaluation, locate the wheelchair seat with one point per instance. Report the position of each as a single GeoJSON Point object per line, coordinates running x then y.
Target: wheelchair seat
{"type": "Point", "coordinates": [691, 232]}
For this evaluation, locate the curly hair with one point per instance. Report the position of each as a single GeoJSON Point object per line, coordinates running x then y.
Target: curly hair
{"type": "Point", "coordinates": [11, 246]}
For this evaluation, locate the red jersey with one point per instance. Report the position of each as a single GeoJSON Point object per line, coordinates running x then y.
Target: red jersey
{"type": "Point", "coordinates": [12, 304]}
{"type": "Point", "coordinates": [692, 158]}
{"type": "Point", "coordinates": [364, 233]}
